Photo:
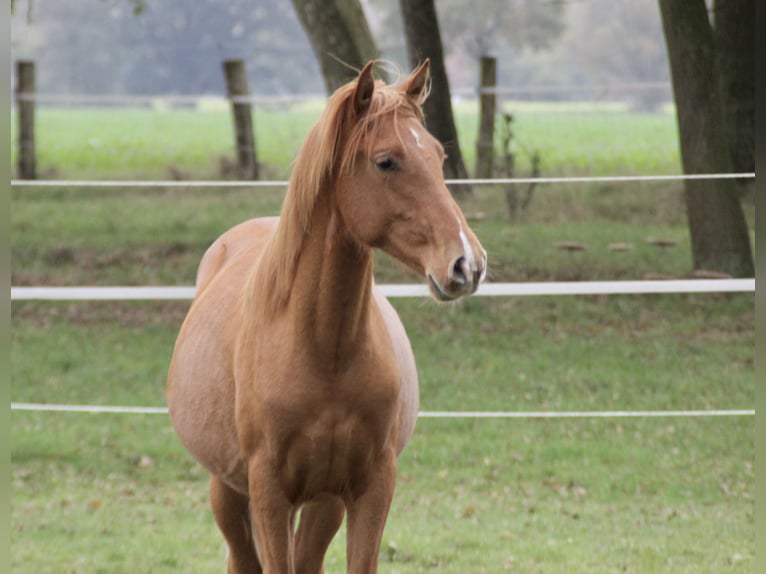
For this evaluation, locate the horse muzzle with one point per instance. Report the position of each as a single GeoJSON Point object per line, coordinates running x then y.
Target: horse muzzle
{"type": "Point", "coordinates": [463, 277]}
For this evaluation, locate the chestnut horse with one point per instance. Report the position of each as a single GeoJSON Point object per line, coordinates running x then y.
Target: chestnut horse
{"type": "Point", "coordinates": [292, 380]}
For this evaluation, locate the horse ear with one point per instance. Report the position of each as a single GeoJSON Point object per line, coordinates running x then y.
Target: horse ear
{"type": "Point", "coordinates": [365, 86]}
{"type": "Point", "coordinates": [416, 85]}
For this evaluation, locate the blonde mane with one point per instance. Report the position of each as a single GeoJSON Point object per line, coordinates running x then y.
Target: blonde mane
{"type": "Point", "coordinates": [330, 149]}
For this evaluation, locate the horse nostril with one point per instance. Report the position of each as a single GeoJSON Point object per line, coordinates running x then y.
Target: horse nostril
{"type": "Point", "coordinates": [460, 271]}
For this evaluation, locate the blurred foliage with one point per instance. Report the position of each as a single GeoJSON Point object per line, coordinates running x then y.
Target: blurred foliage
{"type": "Point", "coordinates": [168, 46]}
{"type": "Point", "coordinates": [544, 43]}
{"type": "Point", "coordinates": [172, 46]}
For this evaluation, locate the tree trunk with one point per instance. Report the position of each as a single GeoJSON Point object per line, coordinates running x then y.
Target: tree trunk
{"type": "Point", "coordinates": [340, 36]}
{"type": "Point", "coordinates": [734, 29]}
{"type": "Point", "coordinates": [421, 28]}
{"type": "Point", "coordinates": [719, 235]}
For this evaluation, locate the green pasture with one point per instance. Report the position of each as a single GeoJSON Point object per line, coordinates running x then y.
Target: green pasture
{"type": "Point", "coordinates": [117, 493]}
{"type": "Point", "coordinates": [187, 144]}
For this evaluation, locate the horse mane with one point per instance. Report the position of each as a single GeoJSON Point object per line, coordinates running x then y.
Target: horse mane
{"type": "Point", "coordinates": [330, 149]}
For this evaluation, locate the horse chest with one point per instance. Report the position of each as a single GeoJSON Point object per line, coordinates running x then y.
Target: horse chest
{"type": "Point", "coordinates": [321, 431]}
{"type": "Point", "coordinates": [334, 452]}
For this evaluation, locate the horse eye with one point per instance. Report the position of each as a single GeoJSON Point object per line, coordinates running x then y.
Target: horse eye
{"type": "Point", "coordinates": [386, 163]}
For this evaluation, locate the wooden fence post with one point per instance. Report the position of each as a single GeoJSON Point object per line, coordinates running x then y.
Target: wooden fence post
{"type": "Point", "coordinates": [241, 113]}
{"type": "Point", "coordinates": [485, 148]}
{"type": "Point", "coordinates": [25, 103]}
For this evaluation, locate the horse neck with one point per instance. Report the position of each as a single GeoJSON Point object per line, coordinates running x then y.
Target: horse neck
{"type": "Point", "coordinates": [329, 278]}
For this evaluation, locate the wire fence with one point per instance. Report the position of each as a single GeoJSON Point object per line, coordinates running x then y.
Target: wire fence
{"type": "Point", "coordinates": [559, 288]}
{"type": "Point", "coordinates": [106, 409]}
{"type": "Point", "coordinates": [58, 183]}
{"type": "Point", "coordinates": [486, 290]}
{"type": "Point", "coordinates": [592, 91]}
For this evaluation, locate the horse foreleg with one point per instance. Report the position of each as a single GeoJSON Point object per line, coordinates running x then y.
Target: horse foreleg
{"type": "Point", "coordinates": [272, 516]}
{"type": "Point", "coordinates": [232, 513]}
{"type": "Point", "coordinates": [320, 520]}
{"type": "Point", "coordinates": [367, 518]}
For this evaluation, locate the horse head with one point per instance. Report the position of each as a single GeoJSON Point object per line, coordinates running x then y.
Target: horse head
{"type": "Point", "coordinates": [390, 188]}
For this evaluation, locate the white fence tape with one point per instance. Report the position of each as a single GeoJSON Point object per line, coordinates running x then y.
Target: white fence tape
{"type": "Point", "coordinates": [487, 290]}
{"type": "Point", "coordinates": [282, 183]}
{"type": "Point", "coordinates": [581, 414]}
{"type": "Point", "coordinates": [99, 409]}
{"type": "Point", "coordinates": [94, 409]}
{"type": "Point", "coordinates": [196, 99]}
{"type": "Point", "coordinates": [407, 290]}
{"type": "Point", "coordinates": [164, 99]}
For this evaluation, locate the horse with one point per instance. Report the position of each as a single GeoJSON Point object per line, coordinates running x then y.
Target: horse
{"type": "Point", "coordinates": [292, 379]}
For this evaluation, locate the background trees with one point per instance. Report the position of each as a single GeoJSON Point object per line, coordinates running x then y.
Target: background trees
{"type": "Point", "coordinates": [148, 46]}
{"type": "Point", "coordinates": [169, 46]}
{"type": "Point", "coordinates": [421, 25]}
{"type": "Point", "coordinates": [172, 46]}
{"type": "Point", "coordinates": [619, 41]}
{"type": "Point", "coordinates": [340, 37]}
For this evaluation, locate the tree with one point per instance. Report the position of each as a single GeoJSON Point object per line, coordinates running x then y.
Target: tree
{"type": "Point", "coordinates": [734, 37]}
{"type": "Point", "coordinates": [421, 27]}
{"type": "Point", "coordinates": [509, 30]}
{"type": "Point", "coordinates": [340, 37]}
{"type": "Point", "coordinates": [719, 235]}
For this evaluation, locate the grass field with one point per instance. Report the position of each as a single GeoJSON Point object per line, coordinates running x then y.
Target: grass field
{"type": "Point", "coordinates": [128, 143]}
{"type": "Point", "coordinates": [117, 493]}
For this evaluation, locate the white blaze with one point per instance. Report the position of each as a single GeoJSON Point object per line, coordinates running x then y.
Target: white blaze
{"type": "Point", "coordinates": [417, 138]}
{"type": "Point", "coordinates": [469, 256]}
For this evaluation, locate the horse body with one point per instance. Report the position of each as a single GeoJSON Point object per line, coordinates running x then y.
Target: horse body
{"type": "Point", "coordinates": [293, 381]}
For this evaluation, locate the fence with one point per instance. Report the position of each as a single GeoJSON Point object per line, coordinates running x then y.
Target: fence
{"type": "Point", "coordinates": [238, 96]}
{"type": "Point", "coordinates": [647, 287]}
{"type": "Point", "coordinates": [240, 102]}
{"type": "Point", "coordinates": [105, 409]}
{"type": "Point", "coordinates": [392, 291]}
